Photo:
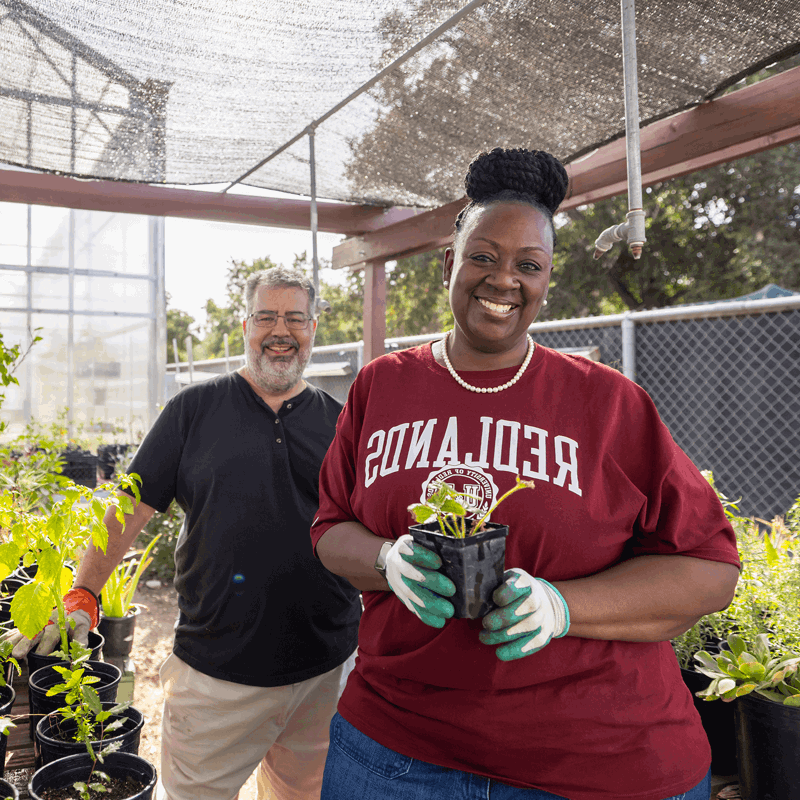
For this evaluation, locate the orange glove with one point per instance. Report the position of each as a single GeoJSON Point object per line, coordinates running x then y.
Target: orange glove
{"type": "Point", "coordinates": [81, 607]}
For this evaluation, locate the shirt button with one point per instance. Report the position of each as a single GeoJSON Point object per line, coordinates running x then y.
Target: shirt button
{"type": "Point", "coordinates": [278, 441]}
{"type": "Point", "coordinates": [277, 422]}
{"type": "Point", "coordinates": [289, 405]}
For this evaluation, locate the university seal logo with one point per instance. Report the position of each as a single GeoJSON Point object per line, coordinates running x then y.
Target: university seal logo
{"type": "Point", "coordinates": [478, 487]}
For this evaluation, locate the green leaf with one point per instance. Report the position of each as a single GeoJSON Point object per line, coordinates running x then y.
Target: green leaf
{"type": "Point", "coordinates": [451, 506]}
{"type": "Point", "coordinates": [736, 643]}
{"type": "Point", "coordinates": [92, 699]}
{"type": "Point", "coordinates": [125, 503]}
{"type": "Point", "coordinates": [421, 512]}
{"type": "Point", "coordinates": [754, 670]}
{"type": "Point", "coordinates": [793, 701]}
{"type": "Point", "coordinates": [31, 608]}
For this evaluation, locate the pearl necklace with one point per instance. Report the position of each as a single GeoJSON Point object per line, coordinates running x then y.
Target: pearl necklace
{"type": "Point", "coordinates": [482, 389]}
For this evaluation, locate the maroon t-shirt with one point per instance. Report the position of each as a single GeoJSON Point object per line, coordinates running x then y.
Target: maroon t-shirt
{"type": "Point", "coordinates": [582, 718]}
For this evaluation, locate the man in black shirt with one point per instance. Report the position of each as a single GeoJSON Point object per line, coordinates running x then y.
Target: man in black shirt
{"type": "Point", "coordinates": [266, 635]}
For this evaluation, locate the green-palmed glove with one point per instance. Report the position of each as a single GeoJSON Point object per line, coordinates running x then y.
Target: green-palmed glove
{"type": "Point", "coordinates": [412, 576]}
{"type": "Point", "coordinates": [531, 612]}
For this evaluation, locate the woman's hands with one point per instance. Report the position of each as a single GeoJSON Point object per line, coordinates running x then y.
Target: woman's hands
{"type": "Point", "coordinates": [530, 613]}
{"type": "Point", "coordinates": [412, 576]}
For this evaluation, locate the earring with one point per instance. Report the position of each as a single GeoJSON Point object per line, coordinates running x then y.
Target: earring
{"type": "Point", "coordinates": [447, 284]}
{"type": "Point", "coordinates": [545, 303]}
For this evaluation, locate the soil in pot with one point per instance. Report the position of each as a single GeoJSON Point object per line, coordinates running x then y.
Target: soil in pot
{"type": "Point", "coordinates": [475, 564]}
{"type": "Point", "coordinates": [8, 789]}
{"type": "Point", "coordinates": [7, 698]}
{"type": "Point", "coordinates": [35, 661]}
{"type": "Point", "coordinates": [768, 742]}
{"type": "Point", "coordinates": [118, 634]}
{"type": "Point", "coordinates": [40, 682]}
{"type": "Point", "coordinates": [55, 736]}
{"type": "Point", "coordinates": [132, 778]}
{"type": "Point", "coordinates": [718, 722]}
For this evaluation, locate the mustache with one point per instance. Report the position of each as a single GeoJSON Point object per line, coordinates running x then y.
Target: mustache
{"type": "Point", "coordinates": [284, 340]}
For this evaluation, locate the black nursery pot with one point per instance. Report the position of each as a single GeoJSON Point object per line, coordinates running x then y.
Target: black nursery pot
{"type": "Point", "coordinates": [64, 772]}
{"type": "Point", "coordinates": [475, 564]}
{"type": "Point", "coordinates": [718, 722]}
{"type": "Point", "coordinates": [768, 742]}
{"type": "Point", "coordinates": [54, 735]}
{"type": "Point", "coordinates": [40, 681]}
{"type": "Point", "coordinates": [118, 634]}
{"type": "Point", "coordinates": [7, 698]}
{"type": "Point", "coordinates": [8, 789]}
{"type": "Point", "coordinates": [95, 644]}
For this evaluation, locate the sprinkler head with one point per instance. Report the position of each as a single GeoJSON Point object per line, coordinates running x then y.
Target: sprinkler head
{"type": "Point", "coordinates": [636, 251]}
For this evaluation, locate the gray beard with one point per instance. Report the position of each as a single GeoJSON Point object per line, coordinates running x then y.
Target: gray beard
{"type": "Point", "coordinates": [275, 377]}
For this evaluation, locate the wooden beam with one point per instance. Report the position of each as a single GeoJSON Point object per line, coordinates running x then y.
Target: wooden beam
{"type": "Point", "coordinates": [374, 310]}
{"type": "Point", "coordinates": [756, 118]}
{"type": "Point", "coordinates": [165, 201]}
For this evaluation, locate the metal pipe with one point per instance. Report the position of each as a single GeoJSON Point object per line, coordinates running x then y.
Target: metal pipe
{"type": "Point", "coordinates": [633, 228]}
{"type": "Point", "coordinates": [175, 353]}
{"type": "Point", "coordinates": [313, 188]}
{"type": "Point", "coordinates": [190, 358]}
{"type": "Point", "coordinates": [227, 352]}
{"type": "Point", "coordinates": [628, 347]}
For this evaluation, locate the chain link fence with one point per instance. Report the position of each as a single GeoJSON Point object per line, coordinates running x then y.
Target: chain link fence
{"type": "Point", "coordinates": [725, 378]}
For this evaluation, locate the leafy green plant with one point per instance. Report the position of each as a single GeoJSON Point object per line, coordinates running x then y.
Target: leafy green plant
{"type": "Point", "coordinates": [117, 594]}
{"type": "Point", "coordinates": [84, 709]}
{"type": "Point", "coordinates": [755, 666]}
{"type": "Point", "coordinates": [52, 538]}
{"type": "Point", "coordinates": [450, 509]}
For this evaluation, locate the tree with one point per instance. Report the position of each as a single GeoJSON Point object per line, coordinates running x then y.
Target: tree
{"type": "Point", "coordinates": [178, 325]}
{"type": "Point", "coordinates": [719, 233]}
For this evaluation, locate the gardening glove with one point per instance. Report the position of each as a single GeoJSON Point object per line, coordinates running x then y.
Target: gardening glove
{"type": "Point", "coordinates": [81, 608]}
{"type": "Point", "coordinates": [531, 612]}
{"type": "Point", "coordinates": [412, 576]}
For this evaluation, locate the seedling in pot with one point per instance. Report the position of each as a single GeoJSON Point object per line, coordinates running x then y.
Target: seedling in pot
{"type": "Point", "coordinates": [450, 509]}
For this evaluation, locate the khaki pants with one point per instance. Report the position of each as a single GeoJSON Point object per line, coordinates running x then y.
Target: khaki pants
{"type": "Point", "coordinates": [215, 733]}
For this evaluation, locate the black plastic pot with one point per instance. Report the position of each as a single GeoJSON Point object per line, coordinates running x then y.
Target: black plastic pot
{"type": "Point", "coordinates": [118, 634]}
{"type": "Point", "coordinates": [43, 679]}
{"type": "Point", "coordinates": [718, 722]}
{"type": "Point", "coordinates": [7, 698]}
{"type": "Point", "coordinates": [8, 789]}
{"type": "Point", "coordinates": [95, 644]}
{"type": "Point", "coordinates": [5, 613]}
{"type": "Point", "coordinates": [768, 742]}
{"type": "Point", "coordinates": [475, 564]}
{"type": "Point", "coordinates": [54, 736]}
{"type": "Point", "coordinates": [9, 586]}
{"type": "Point", "coordinates": [66, 771]}
{"type": "Point", "coordinates": [26, 574]}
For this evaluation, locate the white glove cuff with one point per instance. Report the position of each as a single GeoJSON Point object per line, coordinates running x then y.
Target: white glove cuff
{"type": "Point", "coordinates": [559, 606]}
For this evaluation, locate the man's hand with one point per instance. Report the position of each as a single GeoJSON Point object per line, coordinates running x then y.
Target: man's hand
{"type": "Point", "coordinates": [83, 614]}
{"type": "Point", "coordinates": [531, 612]}
{"type": "Point", "coordinates": [411, 573]}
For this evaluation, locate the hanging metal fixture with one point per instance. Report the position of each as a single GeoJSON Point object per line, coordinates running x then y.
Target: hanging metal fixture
{"type": "Point", "coordinates": [632, 230]}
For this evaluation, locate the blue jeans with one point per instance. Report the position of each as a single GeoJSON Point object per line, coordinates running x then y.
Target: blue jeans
{"type": "Point", "coordinates": [359, 768]}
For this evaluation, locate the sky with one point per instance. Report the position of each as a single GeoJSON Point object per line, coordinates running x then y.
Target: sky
{"type": "Point", "coordinates": [197, 255]}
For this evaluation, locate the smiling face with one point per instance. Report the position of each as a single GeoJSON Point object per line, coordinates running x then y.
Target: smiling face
{"type": "Point", "coordinates": [275, 358]}
{"type": "Point", "coordinates": [499, 273]}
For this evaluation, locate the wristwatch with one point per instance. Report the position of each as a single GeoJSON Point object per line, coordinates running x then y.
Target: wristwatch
{"type": "Point", "coordinates": [380, 561]}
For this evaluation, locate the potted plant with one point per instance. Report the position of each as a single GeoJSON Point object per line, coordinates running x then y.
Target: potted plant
{"type": "Point", "coordinates": [85, 721]}
{"type": "Point", "coordinates": [51, 686]}
{"type": "Point", "coordinates": [78, 778]}
{"type": "Point", "coordinates": [93, 727]}
{"type": "Point", "coordinates": [8, 791]}
{"type": "Point", "coordinates": [118, 611]}
{"type": "Point", "coordinates": [8, 664]}
{"type": "Point", "coordinates": [764, 680]}
{"type": "Point", "coordinates": [472, 551]}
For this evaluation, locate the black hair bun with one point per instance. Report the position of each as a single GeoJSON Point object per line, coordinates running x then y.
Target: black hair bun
{"type": "Point", "coordinates": [531, 173]}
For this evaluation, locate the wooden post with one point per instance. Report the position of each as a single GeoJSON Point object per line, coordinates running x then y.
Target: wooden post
{"type": "Point", "coordinates": [374, 309]}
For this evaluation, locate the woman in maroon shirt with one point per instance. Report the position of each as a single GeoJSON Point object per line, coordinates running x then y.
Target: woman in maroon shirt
{"type": "Point", "coordinates": [569, 688]}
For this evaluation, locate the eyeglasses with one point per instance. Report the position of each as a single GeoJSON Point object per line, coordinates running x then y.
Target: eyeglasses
{"type": "Point", "coordinates": [294, 320]}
